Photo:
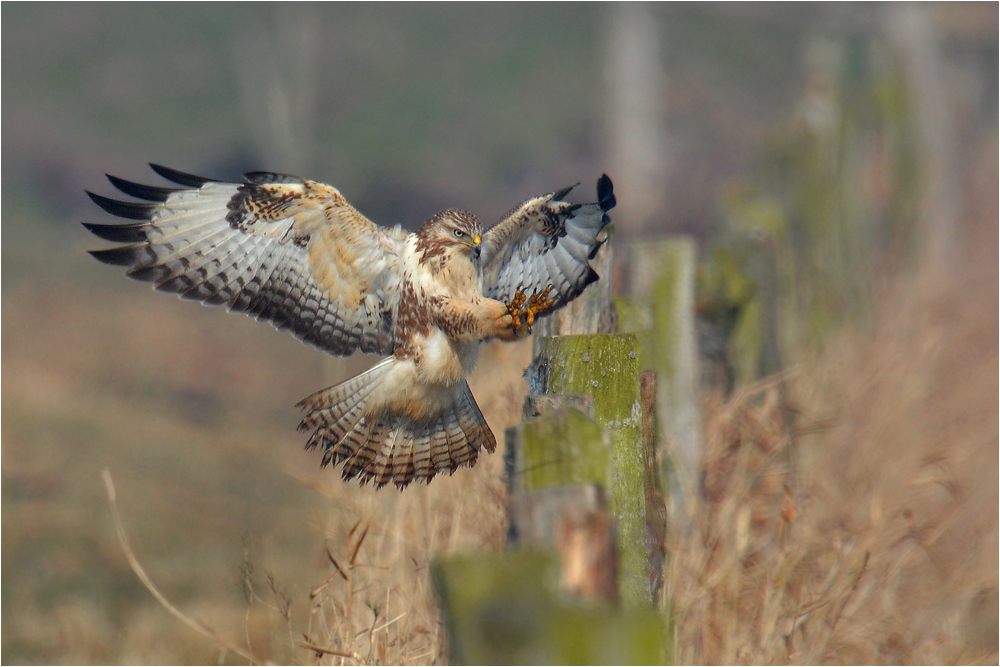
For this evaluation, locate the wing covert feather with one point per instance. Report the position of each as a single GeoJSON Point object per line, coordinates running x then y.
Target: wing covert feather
{"type": "Point", "coordinates": [278, 248]}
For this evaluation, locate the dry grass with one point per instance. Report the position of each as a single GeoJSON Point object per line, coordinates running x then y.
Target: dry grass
{"type": "Point", "coordinates": [882, 547]}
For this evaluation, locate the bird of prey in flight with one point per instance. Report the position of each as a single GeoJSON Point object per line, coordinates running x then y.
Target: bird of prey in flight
{"type": "Point", "coordinates": [295, 253]}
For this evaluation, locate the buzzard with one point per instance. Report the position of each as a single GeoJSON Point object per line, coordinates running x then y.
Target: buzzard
{"type": "Point", "coordinates": [295, 253]}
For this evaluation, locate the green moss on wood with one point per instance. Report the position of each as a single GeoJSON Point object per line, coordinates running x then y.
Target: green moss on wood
{"type": "Point", "coordinates": [563, 448]}
{"type": "Point", "coordinates": [506, 609]}
{"type": "Point", "coordinates": [607, 367]}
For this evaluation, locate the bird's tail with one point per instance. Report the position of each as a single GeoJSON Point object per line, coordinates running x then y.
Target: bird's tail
{"type": "Point", "coordinates": [388, 447]}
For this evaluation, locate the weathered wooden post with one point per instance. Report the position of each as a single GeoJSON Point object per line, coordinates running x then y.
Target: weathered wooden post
{"type": "Point", "coordinates": [660, 311]}
{"type": "Point", "coordinates": [556, 470]}
{"type": "Point", "coordinates": [656, 511]}
{"type": "Point", "coordinates": [606, 367]}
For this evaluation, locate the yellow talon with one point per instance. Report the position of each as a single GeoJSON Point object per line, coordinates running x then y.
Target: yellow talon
{"type": "Point", "coordinates": [538, 303]}
{"type": "Point", "coordinates": [527, 308]}
{"type": "Point", "coordinates": [514, 307]}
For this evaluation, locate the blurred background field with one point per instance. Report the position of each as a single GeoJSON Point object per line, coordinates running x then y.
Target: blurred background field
{"type": "Point", "coordinates": [836, 164]}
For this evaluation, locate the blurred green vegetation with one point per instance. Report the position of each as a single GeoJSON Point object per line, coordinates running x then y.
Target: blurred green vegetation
{"type": "Point", "coordinates": [802, 240]}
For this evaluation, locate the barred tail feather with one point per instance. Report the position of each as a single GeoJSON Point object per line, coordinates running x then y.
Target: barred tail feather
{"type": "Point", "coordinates": [440, 449]}
{"type": "Point", "coordinates": [403, 470]}
{"type": "Point", "coordinates": [421, 457]}
{"type": "Point", "coordinates": [334, 412]}
{"type": "Point", "coordinates": [365, 440]}
{"type": "Point", "coordinates": [467, 430]}
{"type": "Point", "coordinates": [384, 448]}
{"type": "Point", "coordinates": [382, 468]}
{"type": "Point", "coordinates": [475, 419]}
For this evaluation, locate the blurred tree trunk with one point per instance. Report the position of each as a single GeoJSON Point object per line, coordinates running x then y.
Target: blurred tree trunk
{"type": "Point", "coordinates": [636, 136]}
{"type": "Point", "coordinates": [910, 29]}
{"type": "Point", "coordinates": [277, 72]}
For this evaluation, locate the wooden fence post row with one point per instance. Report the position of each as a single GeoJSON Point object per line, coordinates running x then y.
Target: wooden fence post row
{"type": "Point", "coordinates": [585, 507]}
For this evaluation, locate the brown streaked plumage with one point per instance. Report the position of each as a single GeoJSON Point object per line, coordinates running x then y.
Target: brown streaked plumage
{"type": "Point", "coordinates": [295, 253]}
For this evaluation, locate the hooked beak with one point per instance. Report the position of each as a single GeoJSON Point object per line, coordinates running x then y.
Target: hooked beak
{"type": "Point", "coordinates": [477, 248]}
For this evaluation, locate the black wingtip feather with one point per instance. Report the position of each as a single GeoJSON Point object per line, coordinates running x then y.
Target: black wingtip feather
{"type": "Point", "coordinates": [123, 209]}
{"type": "Point", "coordinates": [179, 177]}
{"type": "Point", "coordinates": [147, 192]}
{"type": "Point", "coordinates": [127, 233]}
{"type": "Point", "coordinates": [605, 193]}
{"type": "Point", "coordinates": [123, 256]}
{"type": "Point", "coordinates": [592, 277]}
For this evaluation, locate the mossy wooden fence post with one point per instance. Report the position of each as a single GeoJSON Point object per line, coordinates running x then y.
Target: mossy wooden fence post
{"type": "Point", "coordinates": [605, 366]}
{"type": "Point", "coordinates": [660, 279]}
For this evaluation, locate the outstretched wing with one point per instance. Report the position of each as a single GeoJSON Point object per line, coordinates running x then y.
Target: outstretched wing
{"type": "Point", "coordinates": [546, 243]}
{"type": "Point", "coordinates": [278, 248]}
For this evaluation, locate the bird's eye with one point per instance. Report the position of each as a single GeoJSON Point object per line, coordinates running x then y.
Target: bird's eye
{"type": "Point", "coordinates": [459, 233]}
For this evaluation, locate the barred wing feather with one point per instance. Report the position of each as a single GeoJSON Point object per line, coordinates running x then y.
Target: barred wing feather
{"type": "Point", "coordinates": [546, 243]}
{"type": "Point", "coordinates": [278, 248]}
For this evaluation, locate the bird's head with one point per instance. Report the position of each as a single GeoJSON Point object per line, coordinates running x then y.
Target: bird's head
{"type": "Point", "coordinates": [452, 229]}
